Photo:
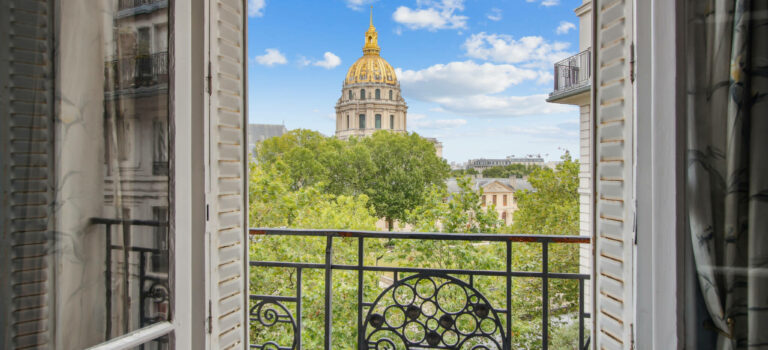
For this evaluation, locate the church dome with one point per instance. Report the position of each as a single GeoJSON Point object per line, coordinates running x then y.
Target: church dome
{"type": "Point", "coordinates": [371, 68]}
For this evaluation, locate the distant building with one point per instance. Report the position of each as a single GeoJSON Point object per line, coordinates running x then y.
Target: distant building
{"type": "Point", "coordinates": [371, 99]}
{"type": "Point", "coordinates": [261, 132]}
{"type": "Point", "coordinates": [496, 191]}
{"type": "Point", "coordinates": [482, 163]}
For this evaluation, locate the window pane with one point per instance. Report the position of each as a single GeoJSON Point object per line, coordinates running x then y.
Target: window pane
{"type": "Point", "coordinates": [378, 121]}
{"type": "Point", "coordinates": [96, 133]}
{"type": "Point", "coordinates": [362, 121]}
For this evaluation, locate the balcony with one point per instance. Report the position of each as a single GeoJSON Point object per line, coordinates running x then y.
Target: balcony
{"type": "Point", "coordinates": [135, 72]}
{"type": "Point", "coordinates": [406, 305]}
{"type": "Point", "coordinates": [572, 77]}
{"type": "Point", "coordinates": [127, 8]}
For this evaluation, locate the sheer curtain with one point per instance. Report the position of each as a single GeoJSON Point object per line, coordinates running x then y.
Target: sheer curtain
{"type": "Point", "coordinates": [727, 164]}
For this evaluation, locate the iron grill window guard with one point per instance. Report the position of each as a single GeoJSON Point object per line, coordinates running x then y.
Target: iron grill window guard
{"type": "Point", "coordinates": [422, 308]}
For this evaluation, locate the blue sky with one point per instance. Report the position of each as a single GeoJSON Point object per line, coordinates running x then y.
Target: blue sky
{"type": "Point", "coordinates": [475, 73]}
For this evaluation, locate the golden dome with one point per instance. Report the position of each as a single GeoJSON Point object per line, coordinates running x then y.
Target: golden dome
{"type": "Point", "coordinates": [371, 68]}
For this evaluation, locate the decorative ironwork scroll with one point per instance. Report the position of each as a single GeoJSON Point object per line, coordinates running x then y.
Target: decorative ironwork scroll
{"type": "Point", "coordinates": [432, 311]}
{"type": "Point", "coordinates": [274, 319]}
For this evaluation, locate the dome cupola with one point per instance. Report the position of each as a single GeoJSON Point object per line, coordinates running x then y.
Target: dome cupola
{"type": "Point", "coordinates": [371, 68]}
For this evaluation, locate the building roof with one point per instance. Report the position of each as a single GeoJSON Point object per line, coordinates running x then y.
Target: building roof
{"type": "Point", "coordinates": [261, 132]}
{"type": "Point", "coordinates": [515, 184]}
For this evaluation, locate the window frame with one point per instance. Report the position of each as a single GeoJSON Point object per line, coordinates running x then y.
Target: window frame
{"type": "Point", "coordinates": [378, 94]}
{"type": "Point", "coordinates": [361, 122]}
{"type": "Point", "coordinates": [362, 94]}
{"type": "Point", "coordinates": [377, 121]}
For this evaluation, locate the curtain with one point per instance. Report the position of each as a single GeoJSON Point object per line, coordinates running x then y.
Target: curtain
{"type": "Point", "coordinates": [727, 164]}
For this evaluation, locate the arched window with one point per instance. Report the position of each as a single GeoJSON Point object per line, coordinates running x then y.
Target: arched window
{"type": "Point", "coordinates": [390, 94]}
{"type": "Point", "coordinates": [351, 95]}
{"type": "Point", "coordinates": [348, 126]}
{"type": "Point", "coordinates": [378, 121]}
{"type": "Point", "coordinates": [362, 121]}
{"type": "Point", "coordinates": [362, 94]}
{"type": "Point", "coordinates": [392, 122]}
{"type": "Point", "coordinates": [378, 94]}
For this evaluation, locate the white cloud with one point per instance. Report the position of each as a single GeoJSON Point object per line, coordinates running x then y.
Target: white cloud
{"type": "Point", "coordinates": [529, 51]}
{"type": "Point", "coordinates": [436, 123]}
{"type": "Point", "coordinates": [303, 61]}
{"type": "Point", "coordinates": [256, 8]}
{"type": "Point", "coordinates": [495, 14]}
{"type": "Point", "coordinates": [565, 27]}
{"type": "Point", "coordinates": [547, 131]}
{"type": "Point", "coordinates": [503, 106]}
{"type": "Point", "coordinates": [432, 15]}
{"type": "Point", "coordinates": [457, 79]}
{"type": "Point", "coordinates": [473, 89]}
{"type": "Point", "coordinates": [546, 3]}
{"type": "Point", "coordinates": [329, 61]}
{"type": "Point", "coordinates": [271, 58]}
{"type": "Point", "coordinates": [358, 4]}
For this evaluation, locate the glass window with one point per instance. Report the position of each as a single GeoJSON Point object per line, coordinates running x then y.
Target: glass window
{"type": "Point", "coordinates": [494, 199]}
{"type": "Point", "coordinates": [392, 121]}
{"type": "Point", "coordinates": [348, 126]}
{"type": "Point", "coordinates": [390, 94]}
{"type": "Point", "coordinates": [101, 142]}
{"type": "Point", "coordinates": [351, 95]}
{"type": "Point", "coordinates": [504, 217]}
{"type": "Point", "coordinates": [362, 94]}
{"type": "Point", "coordinates": [361, 123]}
{"type": "Point", "coordinates": [378, 121]}
{"type": "Point", "coordinates": [378, 94]}
{"type": "Point", "coordinates": [504, 200]}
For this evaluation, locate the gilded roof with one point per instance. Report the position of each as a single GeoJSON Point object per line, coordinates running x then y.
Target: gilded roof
{"type": "Point", "coordinates": [371, 68]}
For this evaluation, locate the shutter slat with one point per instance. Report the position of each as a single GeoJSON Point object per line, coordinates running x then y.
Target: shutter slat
{"type": "Point", "coordinates": [227, 173]}
{"type": "Point", "coordinates": [614, 173]}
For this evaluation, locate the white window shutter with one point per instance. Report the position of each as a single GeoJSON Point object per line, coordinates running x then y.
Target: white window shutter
{"type": "Point", "coordinates": [26, 166]}
{"type": "Point", "coordinates": [226, 175]}
{"type": "Point", "coordinates": [614, 174]}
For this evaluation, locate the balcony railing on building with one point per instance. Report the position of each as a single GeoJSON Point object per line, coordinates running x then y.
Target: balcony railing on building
{"type": "Point", "coordinates": [130, 4]}
{"type": "Point", "coordinates": [419, 307]}
{"type": "Point", "coordinates": [137, 71]}
{"type": "Point", "coordinates": [573, 73]}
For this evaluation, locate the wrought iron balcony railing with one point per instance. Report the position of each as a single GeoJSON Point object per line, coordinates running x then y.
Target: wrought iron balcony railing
{"type": "Point", "coordinates": [151, 279]}
{"type": "Point", "coordinates": [573, 72]}
{"type": "Point", "coordinates": [433, 308]}
{"type": "Point", "coordinates": [137, 71]}
{"type": "Point", "coordinates": [130, 4]}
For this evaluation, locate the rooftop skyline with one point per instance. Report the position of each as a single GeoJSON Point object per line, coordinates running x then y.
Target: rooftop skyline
{"type": "Point", "coordinates": [474, 74]}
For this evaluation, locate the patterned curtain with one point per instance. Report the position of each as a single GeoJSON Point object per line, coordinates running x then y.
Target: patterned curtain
{"type": "Point", "coordinates": [727, 164]}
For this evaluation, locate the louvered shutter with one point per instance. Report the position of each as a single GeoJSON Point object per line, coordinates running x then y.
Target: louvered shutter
{"type": "Point", "coordinates": [226, 175]}
{"type": "Point", "coordinates": [614, 174]}
{"type": "Point", "coordinates": [26, 98]}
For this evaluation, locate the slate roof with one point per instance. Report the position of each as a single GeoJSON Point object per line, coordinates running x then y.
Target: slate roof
{"type": "Point", "coordinates": [261, 132]}
{"type": "Point", "coordinates": [518, 184]}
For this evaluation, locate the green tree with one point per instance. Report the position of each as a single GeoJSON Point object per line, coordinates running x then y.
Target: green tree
{"type": "Point", "coordinates": [404, 168]}
{"type": "Point", "coordinates": [459, 212]}
{"type": "Point", "coordinates": [516, 170]}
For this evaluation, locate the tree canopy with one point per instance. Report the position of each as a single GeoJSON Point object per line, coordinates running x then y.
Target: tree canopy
{"type": "Point", "coordinates": [395, 171]}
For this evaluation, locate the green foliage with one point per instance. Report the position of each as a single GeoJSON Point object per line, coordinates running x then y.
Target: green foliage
{"type": "Point", "coordinates": [332, 193]}
{"type": "Point", "coordinates": [394, 170]}
{"type": "Point", "coordinates": [516, 170]}
{"type": "Point", "coordinates": [463, 172]}
{"type": "Point", "coordinates": [458, 212]}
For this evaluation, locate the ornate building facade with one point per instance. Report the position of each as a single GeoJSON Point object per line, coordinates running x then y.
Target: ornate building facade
{"type": "Point", "coordinates": [370, 98]}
